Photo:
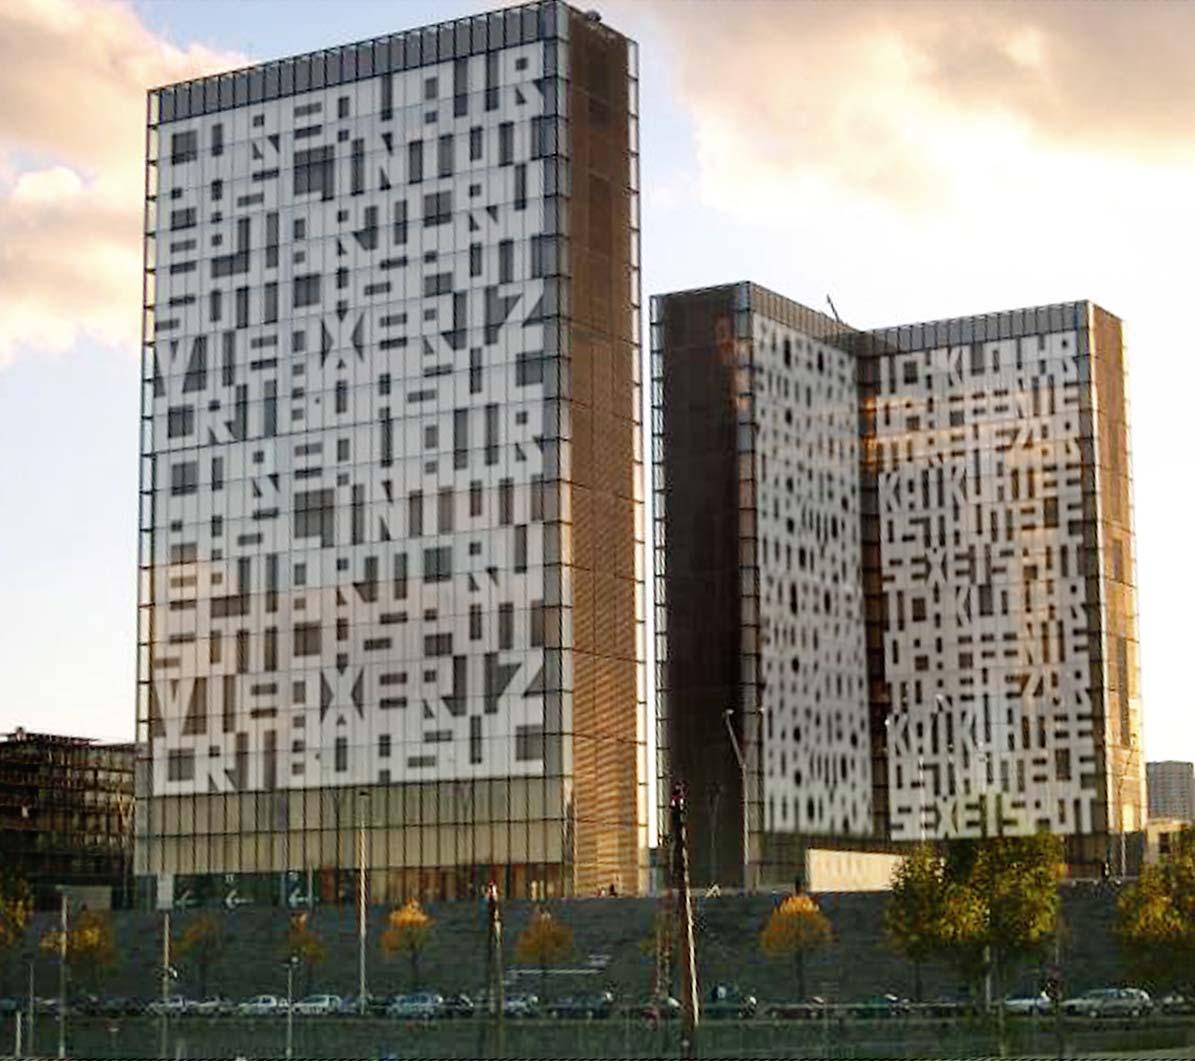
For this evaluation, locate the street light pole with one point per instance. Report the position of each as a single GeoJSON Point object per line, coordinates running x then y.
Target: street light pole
{"type": "Point", "coordinates": [62, 980]}
{"type": "Point", "coordinates": [165, 1030]}
{"type": "Point", "coordinates": [921, 791]}
{"type": "Point", "coordinates": [290, 1010]}
{"type": "Point", "coordinates": [738, 754]}
{"type": "Point", "coordinates": [32, 1008]}
{"type": "Point", "coordinates": [361, 798]}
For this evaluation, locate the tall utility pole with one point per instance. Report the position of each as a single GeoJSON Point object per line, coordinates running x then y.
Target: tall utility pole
{"type": "Point", "coordinates": [495, 994]}
{"type": "Point", "coordinates": [32, 1009]}
{"type": "Point", "coordinates": [62, 979]}
{"type": "Point", "coordinates": [362, 796]}
{"type": "Point", "coordinates": [290, 1005]}
{"type": "Point", "coordinates": [690, 1007]}
{"type": "Point", "coordinates": [165, 1022]}
{"type": "Point", "coordinates": [738, 754]}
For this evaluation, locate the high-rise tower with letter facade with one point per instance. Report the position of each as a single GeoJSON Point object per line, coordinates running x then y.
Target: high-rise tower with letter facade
{"type": "Point", "coordinates": [896, 569]}
{"type": "Point", "coordinates": [391, 552]}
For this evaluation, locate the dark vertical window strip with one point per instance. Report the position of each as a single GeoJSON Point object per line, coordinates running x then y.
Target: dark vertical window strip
{"type": "Point", "coordinates": [491, 434]}
{"type": "Point", "coordinates": [357, 167]}
{"type": "Point", "coordinates": [387, 426]}
{"type": "Point", "coordinates": [272, 239]}
{"type": "Point", "coordinates": [460, 88]}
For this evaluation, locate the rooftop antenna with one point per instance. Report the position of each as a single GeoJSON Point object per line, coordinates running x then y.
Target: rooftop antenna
{"type": "Point", "coordinates": [833, 310]}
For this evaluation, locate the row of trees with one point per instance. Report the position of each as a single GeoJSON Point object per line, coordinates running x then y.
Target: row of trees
{"type": "Point", "coordinates": [980, 907]}
{"type": "Point", "coordinates": [91, 948]}
{"type": "Point", "coordinates": [1156, 920]}
{"type": "Point", "coordinates": [987, 906]}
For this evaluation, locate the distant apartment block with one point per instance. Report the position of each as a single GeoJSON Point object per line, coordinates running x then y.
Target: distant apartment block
{"type": "Point", "coordinates": [66, 817]}
{"type": "Point", "coordinates": [1171, 789]}
{"type": "Point", "coordinates": [970, 479]}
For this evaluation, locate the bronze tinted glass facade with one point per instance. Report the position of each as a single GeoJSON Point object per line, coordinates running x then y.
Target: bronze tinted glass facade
{"type": "Point", "coordinates": [704, 542]}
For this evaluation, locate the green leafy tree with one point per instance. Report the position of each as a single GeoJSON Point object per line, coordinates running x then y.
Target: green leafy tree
{"type": "Point", "coordinates": [543, 943]}
{"type": "Point", "coordinates": [982, 906]}
{"type": "Point", "coordinates": [16, 906]}
{"type": "Point", "coordinates": [796, 928]}
{"type": "Point", "coordinates": [1003, 904]}
{"type": "Point", "coordinates": [1156, 920]}
{"type": "Point", "coordinates": [302, 943]}
{"type": "Point", "coordinates": [407, 931]}
{"type": "Point", "coordinates": [916, 919]}
{"type": "Point", "coordinates": [201, 945]}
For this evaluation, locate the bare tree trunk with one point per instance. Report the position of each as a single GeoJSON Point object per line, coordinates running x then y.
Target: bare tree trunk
{"type": "Point", "coordinates": [800, 962]}
{"type": "Point", "coordinates": [917, 980]}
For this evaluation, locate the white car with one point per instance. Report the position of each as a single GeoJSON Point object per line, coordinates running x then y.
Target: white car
{"type": "Point", "coordinates": [1125, 1002]}
{"type": "Point", "coordinates": [318, 1005]}
{"type": "Point", "coordinates": [262, 1006]}
{"type": "Point", "coordinates": [174, 1006]}
{"type": "Point", "coordinates": [1110, 1002]}
{"type": "Point", "coordinates": [426, 1005]}
{"type": "Point", "coordinates": [1026, 1005]}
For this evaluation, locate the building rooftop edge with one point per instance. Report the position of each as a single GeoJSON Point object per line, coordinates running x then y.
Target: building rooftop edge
{"type": "Point", "coordinates": [887, 331]}
{"type": "Point", "coordinates": [451, 23]}
{"type": "Point", "coordinates": [754, 290]}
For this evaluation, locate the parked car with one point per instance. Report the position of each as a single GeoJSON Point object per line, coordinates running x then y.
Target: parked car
{"type": "Point", "coordinates": [459, 1006]}
{"type": "Point", "coordinates": [425, 1005]}
{"type": "Point", "coordinates": [88, 1005]}
{"type": "Point", "coordinates": [881, 1007]}
{"type": "Point", "coordinates": [583, 1007]}
{"type": "Point", "coordinates": [1086, 1004]}
{"type": "Point", "coordinates": [1109, 1002]}
{"type": "Point", "coordinates": [375, 1005]}
{"type": "Point", "coordinates": [11, 1005]}
{"type": "Point", "coordinates": [1175, 1003]}
{"type": "Point", "coordinates": [213, 1006]}
{"type": "Point", "coordinates": [1126, 1002]}
{"type": "Point", "coordinates": [174, 1006]}
{"type": "Point", "coordinates": [655, 1009]}
{"type": "Point", "coordinates": [318, 1005]}
{"type": "Point", "coordinates": [1028, 1004]}
{"type": "Point", "coordinates": [521, 1007]}
{"type": "Point", "coordinates": [262, 1006]}
{"type": "Point", "coordinates": [726, 1001]}
{"type": "Point", "coordinates": [814, 1009]}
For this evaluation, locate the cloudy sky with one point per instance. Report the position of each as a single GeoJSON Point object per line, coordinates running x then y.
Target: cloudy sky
{"type": "Point", "coordinates": [913, 160]}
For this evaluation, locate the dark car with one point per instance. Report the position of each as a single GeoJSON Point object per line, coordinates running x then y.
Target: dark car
{"type": "Point", "coordinates": [727, 1002]}
{"type": "Point", "coordinates": [11, 1005]}
{"type": "Point", "coordinates": [882, 1007]}
{"type": "Point", "coordinates": [88, 1005]}
{"type": "Point", "coordinates": [458, 1007]}
{"type": "Point", "coordinates": [583, 1007]}
{"type": "Point", "coordinates": [657, 1009]}
{"type": "Point", "coordinates": [814, 1009]}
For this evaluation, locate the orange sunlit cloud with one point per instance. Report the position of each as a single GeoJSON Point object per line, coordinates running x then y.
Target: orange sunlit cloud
{"type": "Point", "coordinates": [73, 75]}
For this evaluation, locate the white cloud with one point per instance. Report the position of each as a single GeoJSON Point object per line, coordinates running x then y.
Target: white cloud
{"type": "Point", "coordinates": [73, 77]}
{"type": "Point", "coordinates": [923, 160]}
